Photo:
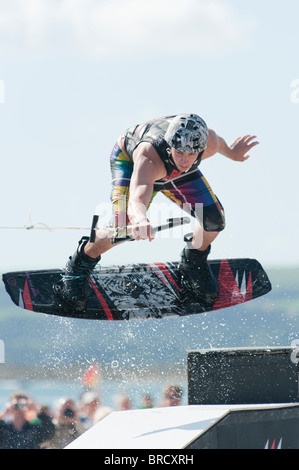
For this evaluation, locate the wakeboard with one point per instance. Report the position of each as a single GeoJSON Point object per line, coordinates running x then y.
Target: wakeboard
{"type": "Point", "coordinates": [138, 291]}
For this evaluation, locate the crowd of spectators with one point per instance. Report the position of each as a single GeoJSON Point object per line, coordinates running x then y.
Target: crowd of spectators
{"type": "Point", "coordinates": [25, 424]}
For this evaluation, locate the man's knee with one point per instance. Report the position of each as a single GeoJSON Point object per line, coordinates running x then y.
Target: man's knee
{"type": "Point", "coordinates": [213, 218]}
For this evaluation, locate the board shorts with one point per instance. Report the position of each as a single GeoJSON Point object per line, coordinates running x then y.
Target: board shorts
{"type": "Point", "coordinates": [190, 191]}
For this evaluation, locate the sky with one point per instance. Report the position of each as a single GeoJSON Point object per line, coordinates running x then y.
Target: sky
{"type": "Point", "coordinates": [74, 74]}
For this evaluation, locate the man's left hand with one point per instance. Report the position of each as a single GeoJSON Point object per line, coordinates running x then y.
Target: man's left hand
{"type": "Point", "coordinates": [241, 146]}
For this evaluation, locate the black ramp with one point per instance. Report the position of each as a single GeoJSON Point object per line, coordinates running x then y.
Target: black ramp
{"type": "Point", "coordinates": [272, 427]}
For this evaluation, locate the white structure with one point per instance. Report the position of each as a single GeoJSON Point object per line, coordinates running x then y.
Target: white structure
{"type": "Point", "coordinates": [173, 427]}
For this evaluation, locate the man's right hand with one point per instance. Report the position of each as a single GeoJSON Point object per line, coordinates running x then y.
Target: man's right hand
{"type": "Point", "coordinates": [142, 230]}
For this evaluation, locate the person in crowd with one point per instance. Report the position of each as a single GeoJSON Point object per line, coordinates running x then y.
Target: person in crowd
{"type": "Point", "coordinates": [172, 395]}
{"type": "Point", "coordinates": [89, 403]}
{"type": "Point", "coordinates": [146, 402]}
{"type": "Point", "coordinates": [92, 410]}
{"type": "Point", "coordinates": [101, 413]}
{"type": "Point", "coordinates": [123, 402]}
{"type": "Point", "coordinates": [67, 425]}
{"type": "Point", "coordinates": [24, 424]}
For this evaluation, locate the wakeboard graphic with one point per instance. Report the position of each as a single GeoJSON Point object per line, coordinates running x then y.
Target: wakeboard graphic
{"type": "Point", "coordinates": [138, 291]}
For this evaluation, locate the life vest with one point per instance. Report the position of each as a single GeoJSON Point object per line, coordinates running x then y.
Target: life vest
{"type": "Point", "coordinates": [153, 132]}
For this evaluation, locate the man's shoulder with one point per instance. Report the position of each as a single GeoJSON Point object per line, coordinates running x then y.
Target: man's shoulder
{"type": "Point", "coordinates": [146, 150]}
{"type": "Point", "coordinates": [147, 159]}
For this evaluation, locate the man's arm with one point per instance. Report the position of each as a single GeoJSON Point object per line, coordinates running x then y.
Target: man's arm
{"type": "Point", "coordinates": [148, 167]}
{"type": "Point", "coordinates": [237, 151]}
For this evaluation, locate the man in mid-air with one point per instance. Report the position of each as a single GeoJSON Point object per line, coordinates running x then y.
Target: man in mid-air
{"type": "Point", "coordinates": [161, 155]}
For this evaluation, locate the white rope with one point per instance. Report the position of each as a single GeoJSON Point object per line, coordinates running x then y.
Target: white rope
{"type": "Point", "coordinates": [41, 226]}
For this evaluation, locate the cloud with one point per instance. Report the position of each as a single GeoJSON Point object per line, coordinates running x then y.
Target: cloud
{"type": "Point", "coordinates": [124, 28]}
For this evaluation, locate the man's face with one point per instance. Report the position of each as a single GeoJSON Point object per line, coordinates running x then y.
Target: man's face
{"type": "Point", "coordinates": [19, 405]}
{"type": "Point", "coordinates": [183, 160]}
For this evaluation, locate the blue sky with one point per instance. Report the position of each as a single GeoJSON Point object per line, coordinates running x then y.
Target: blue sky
{"type": "Point", "coordinates": [76, 73]}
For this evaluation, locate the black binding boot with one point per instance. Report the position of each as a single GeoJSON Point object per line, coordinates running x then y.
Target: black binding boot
{"type": "Point", "coordinates": [74, 284]}
{"type": "Point", "coordinates": [196, 274]}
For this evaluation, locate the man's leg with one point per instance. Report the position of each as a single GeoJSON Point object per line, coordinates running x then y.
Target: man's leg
{"type": "Point", "coordinates": [196, 274]}
{"type": "Point", "coordinates": [196, 196]}
{"type": "Point", "coordinates": [202, 239]}
{"type": "Point", "coordinates": [101, 244]}
{"type": "Point", "coordinates": [81, 264]}
{"type": "Point", "coordinates": [121, 172]}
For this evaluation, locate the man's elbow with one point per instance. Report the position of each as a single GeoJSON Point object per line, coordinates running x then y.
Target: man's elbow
{"type": "Point", "coordinates": [214, 142]}
{"type": "Point", "coordinates": [213, 145]}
